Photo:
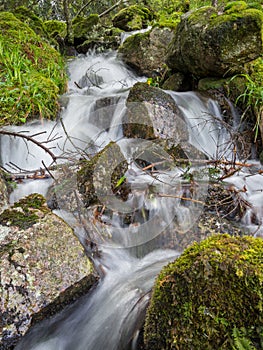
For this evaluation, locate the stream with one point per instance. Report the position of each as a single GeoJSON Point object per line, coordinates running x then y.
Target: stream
{"type": "Point", "coordinates": [111, 316]}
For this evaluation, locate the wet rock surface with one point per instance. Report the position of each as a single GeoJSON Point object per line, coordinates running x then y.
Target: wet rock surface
{"type": "Point", "coordinates": [146, 52]}
{"type": "Point", "coordinates": [153, 114]}
{"type": "Point", "coordinates": [43, 267]}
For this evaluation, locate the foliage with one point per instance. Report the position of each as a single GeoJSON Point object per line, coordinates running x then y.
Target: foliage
{"type": "Point", "coordinates": [31, 73]}
{"type": "Point", "coordinates": [241, 342]}
{"type": "Point", "coordinates": [210, 297]}
{"type": "Point", "coordinates": [250, 97]}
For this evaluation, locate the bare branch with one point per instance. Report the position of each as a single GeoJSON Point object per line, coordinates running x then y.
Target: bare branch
{"type": "Point", "coordinates": [110, 9]}
{"type": "Point", "coordinates": [30, 139]}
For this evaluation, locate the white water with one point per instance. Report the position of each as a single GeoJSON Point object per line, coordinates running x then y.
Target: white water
{"type": "Point", "coordinates": [111, 317]}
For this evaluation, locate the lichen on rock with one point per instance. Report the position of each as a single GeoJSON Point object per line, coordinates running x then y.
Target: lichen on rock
{"type": "Point", "coordinates": [41, 259]}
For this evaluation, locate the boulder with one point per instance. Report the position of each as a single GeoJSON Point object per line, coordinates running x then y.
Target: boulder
{"type": "Point", "coordinates": [98, 177]}
{"type": "Point", "coordinates": [82, 26]}
{"type": "Point", "coordinates": [208, 43]}
{"type": "Point", "coordinates": [43, 266]}
{"type": "Point", "coordinates": [133, 18]}
{"type": "Point", "coordinates": [209, 298]}
{"type": "Point", "coordinates": [146, 52]}
{"type": "Point", "coordinates": [151, 114]}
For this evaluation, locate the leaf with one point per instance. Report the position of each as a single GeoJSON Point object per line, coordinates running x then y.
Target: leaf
{"type": "Point", "coordinates": [121, 180]}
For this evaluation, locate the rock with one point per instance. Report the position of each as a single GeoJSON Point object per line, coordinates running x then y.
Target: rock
{"type": "Point", "coordinates": [211, 44]}
{"type": "Point", "coordinates": [146, 52]}
{"type": "Point", "coordinates": [134, 17]}
{"type": "Point", "coordinates": [31, 19]}
{"type": "Point", "coordinates": [101, 39]}
{"type": "Point", "coordinates": [98, 178]}
{"type": "Point", "coordinates": [153, 114]}
{"type": "Point", "coordinates": [4, 195]}
{"type": "Point", "coordinates": [43, 266]}
{"type": "Point", "coordinates": [176, 82]}
{"type": "Point", "coordinates": [209, 298]}
{"type": "Point", "coordinates": [82, 26]}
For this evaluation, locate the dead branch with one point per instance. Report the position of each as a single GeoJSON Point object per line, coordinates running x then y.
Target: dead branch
{"type": "Point", "coordinates": [83, 7]}
{"type": "Point", "coordinates": [110, 9]}
{"type": "Point", "coordinates": [30, 139]}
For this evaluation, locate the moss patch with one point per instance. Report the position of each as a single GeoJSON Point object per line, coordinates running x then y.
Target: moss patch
{"type": "Point", "coordinates": [32, 73]}
{"type": "Point", "coordinates": [215, 287]}
{"type": "Point", "coordinates": [24, 213]}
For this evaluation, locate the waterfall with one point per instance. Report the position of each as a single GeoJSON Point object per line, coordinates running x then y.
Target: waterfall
{"type": "Point", "coordinates": [112, 315]}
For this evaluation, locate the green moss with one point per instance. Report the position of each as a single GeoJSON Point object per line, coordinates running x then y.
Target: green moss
{"type": "Point", "coordinates": [31, 19]}
{"type": "Point", "coordinates": [168, 21]}
{"type": "Point", "coordinates": [54, 27]}
{"type": "Point", "coordinates": [213, 288]}
{"type": "Point", "coordinates": [133, 18]}
{"type": "Point", "coordinates": [24, 213]}
{"type": "Point", "coordinates": [82, 26]}
{"type": "Point", "coordinates": [33, 201]}
{"type": "Point", "coordinates": [94, 174]}
{"type": "Point", "coordinates": [235, 6]}
{"type": "Point", "coordinates": [32, 73]}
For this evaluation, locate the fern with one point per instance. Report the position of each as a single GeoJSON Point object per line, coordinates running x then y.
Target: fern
{"type": "Point", "coordinates": [241, 342]}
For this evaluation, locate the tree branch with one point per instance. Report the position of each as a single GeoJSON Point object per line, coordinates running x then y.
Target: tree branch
{"type": "Point", "coordinates": [30, 139]}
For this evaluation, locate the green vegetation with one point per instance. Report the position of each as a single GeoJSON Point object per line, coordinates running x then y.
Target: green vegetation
{"type": "Point", "coordinates": [32, 73]}
{"type": "Point", "coordinates": [24, 213]}
{"type": "Point", "coordinates": [210, 298]}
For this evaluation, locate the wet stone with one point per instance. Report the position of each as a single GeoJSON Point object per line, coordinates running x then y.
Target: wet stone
{"type": "Point", "coordinates": [41, 265]}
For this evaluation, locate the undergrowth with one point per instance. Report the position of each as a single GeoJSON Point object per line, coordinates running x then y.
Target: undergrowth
{"type": "Point", "coordinates": [32, 73]}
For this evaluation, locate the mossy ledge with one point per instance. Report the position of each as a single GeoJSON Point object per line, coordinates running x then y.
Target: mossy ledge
{"type": "Point", "coordinates": [209, 296]}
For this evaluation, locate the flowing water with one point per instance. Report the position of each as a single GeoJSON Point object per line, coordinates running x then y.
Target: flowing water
{"type": "Point", "coordinates": [111, 316]}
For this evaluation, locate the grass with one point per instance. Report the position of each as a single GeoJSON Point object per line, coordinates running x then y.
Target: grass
{"type": "Point", "coordinates": [32, 74]}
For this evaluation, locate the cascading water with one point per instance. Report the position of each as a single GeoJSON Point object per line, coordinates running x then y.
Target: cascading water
{"type": "Point", "coordinates": [112, 315]}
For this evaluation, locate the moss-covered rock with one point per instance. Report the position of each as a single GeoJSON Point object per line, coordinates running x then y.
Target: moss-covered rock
{"type": "Point", "coordinates": [82, 26]}
{"type": "Point", "coordinates": [31, 19]}
{"type": "Point", "coordinates": [133, 18]}
{"type": "Point", "coordinates": [209, 297]}
{"type": "Point", "coordinates": [222, 43]}
{"type": "Point", "coordinates": [54, 27]}
{"type": "Point", "coordinates": [43, 266]}
{"type": "Point", "coordinates": [31, 71]}
{"type": "Point", "coordinates": [176, 82]}
{"type": "Point", "coordinates": [101, 39]}
{"type": "Point", "coordinates": [146, 52]}
{"type": "Point", "coordinates": [151, 114]}
{"type": "Point", "coordinates": [98, 177]}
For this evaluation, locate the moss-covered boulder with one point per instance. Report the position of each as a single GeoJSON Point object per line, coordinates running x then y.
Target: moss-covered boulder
{"type": "Point", "coordinates": [211, 44]}
{"type": "Point", "coordinates": [101, 39]}
{"type": "Point", "coordinates": [31, 71]}
{"type": "Point", "coordinates": [151, 114]}
{"type": "Point", "coordinates": [133, 18]}
{"type": "Point", "coordinates": [31, 19]}
{"type": "Point", "coordinates": [98, 177]}
{"type": "Point", "coordinates": [146, 52]}
{"type": "Point", "coordinates": [82, 26]}
{"type": "Point", "coordinates": [55, 27]}
{"type": "Point", "coordinates": [43, 266]}
{"type": "Point", "coordinates": [210, 297]}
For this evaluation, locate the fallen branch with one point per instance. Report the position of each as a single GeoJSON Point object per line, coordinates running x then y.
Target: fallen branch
{"type": "Point", "coordinates": [30, 139]}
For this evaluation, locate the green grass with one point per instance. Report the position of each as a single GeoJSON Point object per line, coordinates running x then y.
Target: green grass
{"type": "Point", "coordinates": [32, 73]}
